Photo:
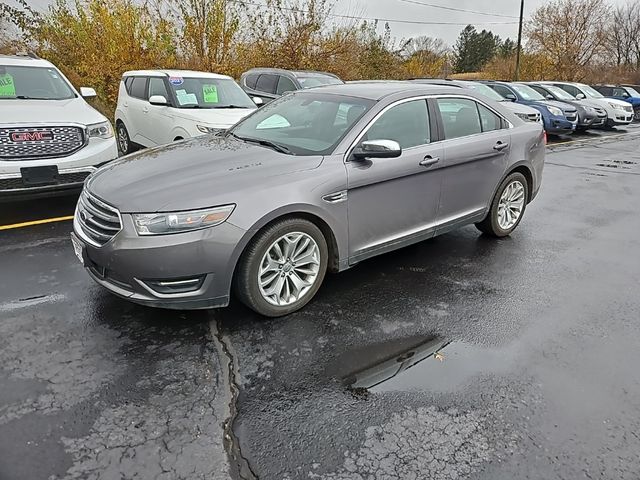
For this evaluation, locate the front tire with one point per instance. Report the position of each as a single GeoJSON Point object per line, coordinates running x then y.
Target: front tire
{"type": "Point", "coordinates": [507, 207]}
{"type": "Point", "coordinates": [282, 268]}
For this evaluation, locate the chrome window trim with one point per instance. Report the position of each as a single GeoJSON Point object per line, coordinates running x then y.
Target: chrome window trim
{"type": "Point", "coordinates": [355, 143]}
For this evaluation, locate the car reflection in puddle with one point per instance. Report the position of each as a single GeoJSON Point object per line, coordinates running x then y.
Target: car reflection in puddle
{"type": "Point", "coordinates": [418, 364]}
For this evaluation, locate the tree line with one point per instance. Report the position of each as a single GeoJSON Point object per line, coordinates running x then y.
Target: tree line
{"type": "Point", "coordinates": [94, 41]}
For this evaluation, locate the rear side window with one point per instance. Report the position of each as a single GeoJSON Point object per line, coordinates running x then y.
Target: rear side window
{"type": "Point", "coordinates": [488, 119]}
{"type": "Point", "coordinates": [127, 84]}
{"type": "Point", "coordinates": [267, 83]}
{"type": "Point", "coordinates": [139, 87]}
{"type": "Point", "coordinates": [460, 117]}
{"type": "Point", "coordinates": [407, 124]}
{"type": "Point", "coordinates": [285, 85]}
{"type": "Point", "coordinates": [251, 80]}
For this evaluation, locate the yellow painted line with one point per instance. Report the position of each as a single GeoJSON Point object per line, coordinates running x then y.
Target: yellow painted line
{"type": "Point", "coordinates": [36, 222]}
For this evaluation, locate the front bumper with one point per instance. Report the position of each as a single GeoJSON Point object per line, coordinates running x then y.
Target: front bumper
{"type": "Point", "coordinates": [559, 126]}
{"type": "Point", "coordinates": [72, 169]}
{"type": "Point", "coordinates": [131, 266]}
{"type": "Point", "coordinates": [620, 117]}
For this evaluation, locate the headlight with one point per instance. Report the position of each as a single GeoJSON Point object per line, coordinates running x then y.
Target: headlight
{"type": "Point", "coordinates": [205, 129]}
{"type": "Point", "coordinates": [615, 106]}
{"type": "Point", "coordinates": [555, 111]}
{"type": "Point", "coordinates": [100, 130]}
{"type": "Point", "coordinates": [177, 222]}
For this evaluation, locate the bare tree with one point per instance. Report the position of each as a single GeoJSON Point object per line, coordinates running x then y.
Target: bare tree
{"type": "Point", "coordinates": [571, 33]}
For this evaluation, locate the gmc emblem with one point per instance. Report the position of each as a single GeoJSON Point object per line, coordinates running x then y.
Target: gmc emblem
{"type": "Point", "coordinates": [31, 136]}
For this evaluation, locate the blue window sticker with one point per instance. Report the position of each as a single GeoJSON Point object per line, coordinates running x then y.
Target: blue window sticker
{"type": "Point", "coordinates": [176, 80]}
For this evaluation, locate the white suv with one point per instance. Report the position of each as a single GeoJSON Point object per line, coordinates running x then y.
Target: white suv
{"type": "Point", "coordinates": [50, 138]}
{"type": "Point", "coordinates": [160, 106]}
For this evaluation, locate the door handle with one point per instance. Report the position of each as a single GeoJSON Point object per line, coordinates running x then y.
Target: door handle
{"type": "Point", "coordinates": [145, 110]}
{"type": "Point", "coordinates": [429, 160]}
{"type": "Point", "coordinates": [500, 146]}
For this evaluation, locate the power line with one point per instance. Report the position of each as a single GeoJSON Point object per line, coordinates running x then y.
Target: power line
{"type": "Point", "coordinates": [415, 2]}
{"type": "Point", "coordinates": [378, 19]}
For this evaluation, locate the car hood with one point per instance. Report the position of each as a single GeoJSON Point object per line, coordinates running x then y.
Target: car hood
{"type": "Point", "coordinates": [214, 117]}
{"type": "Point", "coordinates": [196, 173]}
{"type": "Point", "coordinates": [561, 105]}
{"type": "Point", "coordinates": [519, 108]}
{"type": "Point", "coordinates": [613, 101]}
{"type": "Point", "coordinates": [50, 112]}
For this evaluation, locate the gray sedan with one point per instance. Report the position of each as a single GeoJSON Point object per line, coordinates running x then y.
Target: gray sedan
{"type": "Point", "coordinates": [317, 180]}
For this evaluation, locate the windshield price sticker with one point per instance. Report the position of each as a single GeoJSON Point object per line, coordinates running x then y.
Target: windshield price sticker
{"type": "Point", "coordinates": [176, 80]}
{"type": "Point", "coordinates": [185, 98]}
{"type": "Point", "coordinates": [210, 93]}
{"type": "Point", "coordinates": [7, 87]}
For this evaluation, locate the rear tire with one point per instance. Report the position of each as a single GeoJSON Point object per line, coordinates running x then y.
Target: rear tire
{"type": "Point", "coordinates": [124, 142]}
{"type": "Point", "coordinates": [507, 208]}
{"type": "Point", "coordinates": [282, 268]}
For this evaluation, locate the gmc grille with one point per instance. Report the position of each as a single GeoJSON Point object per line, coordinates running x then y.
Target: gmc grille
{"type": "Point", "coordinates": [98, 221]}
{"type": "Point", "coordinates": [23, 143]}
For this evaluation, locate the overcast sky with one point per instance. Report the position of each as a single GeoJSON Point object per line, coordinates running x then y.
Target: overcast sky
{"type": "Point", "coordinates": [410, 10]}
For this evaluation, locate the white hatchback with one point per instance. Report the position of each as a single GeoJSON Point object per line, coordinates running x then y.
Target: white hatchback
{"type": "Point", "coordinates": [156, 107]}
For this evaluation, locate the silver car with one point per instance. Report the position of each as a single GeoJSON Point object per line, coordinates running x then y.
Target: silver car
{"type": "Point", "coordinates": [317, 180]}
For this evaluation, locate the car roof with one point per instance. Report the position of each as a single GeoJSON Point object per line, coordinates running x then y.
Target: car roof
{"type": "Point", "coordinates": [173, 73]}
{"type": "Point", "coordinates": [379, 90]}
{"type": "Point", "coordinates": [24, 61]}
{"type": "Point", "coordinates": [284, 70]}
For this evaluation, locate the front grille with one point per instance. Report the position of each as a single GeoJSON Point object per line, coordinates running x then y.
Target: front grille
{"type": "Point", "coordinates": [600, 111]}
{"type": "Point", "coordinates": [98, 221]}
{"type": "Point", "coordinates": [572, 116]}
{"type": "Point", "coordinates": [63, 179]}
{"type": "Point", "coordinates": [22, 143]}
{"type": "Point", "coordinates": [534, 117]}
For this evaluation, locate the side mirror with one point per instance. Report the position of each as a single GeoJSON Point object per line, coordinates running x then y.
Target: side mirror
{"type": "Point", "coordinates": [550, 97]}
{"type": "Point", "coordinates": [511, 97]}
{"type": "Point", "coordinates": [87, 92]}
{"type": "Point", "coordinates": [580, 96]}
{"type": "Point", "coordinates": [158, 100]}
{"type": "Point", "coordinates": [377, 149]}
{"type": "Point", "coordinates": [258, 101]}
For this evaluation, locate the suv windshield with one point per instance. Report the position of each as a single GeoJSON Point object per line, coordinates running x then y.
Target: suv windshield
{"type": "Point", "coordinates": [308, 80]}
{"type": "Point", "coordinates": [33, 83]}
{"type": "Point", "coordinates": [632, 91]}
{"type": "Point", "coordinates": [527, 92]}
{"type": "Point", "coordinates": [559, 93]}
{"type": "Point", "coordinates": [209, 92]}
{"type": "Point", "coordinates": [590, 92]}
{"type": "Point", "coordinates": [303, 123]}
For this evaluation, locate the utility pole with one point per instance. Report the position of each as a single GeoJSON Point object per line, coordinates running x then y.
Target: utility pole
{"type": "Point", "coordinates": [517, 74]}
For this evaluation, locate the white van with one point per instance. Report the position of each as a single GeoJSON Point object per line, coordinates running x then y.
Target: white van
{"type": "Point", "coordinates": [156, 107]}
{"type": "Point", "coordinates": [51, 139]}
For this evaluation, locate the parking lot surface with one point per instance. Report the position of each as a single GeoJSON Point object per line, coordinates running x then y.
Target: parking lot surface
{"type": "Point", "coordinates": [459, 357]}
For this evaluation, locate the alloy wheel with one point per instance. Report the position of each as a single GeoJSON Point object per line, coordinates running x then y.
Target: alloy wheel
{"type": "Point", "coordinates": [123, 139]}
{"type": "Point", "coordinates": [289, 268]}
{"type": "Point", "coordinates": [511, 205]}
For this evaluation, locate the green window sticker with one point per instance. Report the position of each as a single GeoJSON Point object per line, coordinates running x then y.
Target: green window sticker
{"type": "Point", "coordinates": [7, 87]}
{"type": "Point", "coordinates": [210, 93]}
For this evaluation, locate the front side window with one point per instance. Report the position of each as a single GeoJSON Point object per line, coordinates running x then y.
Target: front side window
{"type": "Point", "coordinates": [570, 89]}
{"type": "Point", "coordinates": [157, 87]}
{"type": "Point", "coordinates": [590, 92]}
{"type": "Point", "coordinates": [208, 92]}
{"type": "Point", "coordinates": [33, 83]}
{"type": "Point", "coordinates": [503, 91]}
{"type": "Point", "coordinates": [305, 123]}
{"type": "Point", "coordinates": [460, 117]}
{"type": "Point", "coordinates": [620, 92]}
{"type": "Point", "coordinates": [267, 83]}
{"type": "Point", "coordinates": [285, 85]}
{"type": "Point", "coordinates": [407, 124]}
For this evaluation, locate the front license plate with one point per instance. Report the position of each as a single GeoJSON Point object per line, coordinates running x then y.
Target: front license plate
{"type": "Point", "coordinates": [34, 176]}
{"type": "Point", "coordinates": [77, 249]}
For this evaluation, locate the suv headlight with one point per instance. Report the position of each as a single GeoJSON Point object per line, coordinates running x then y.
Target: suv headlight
{"type": "Point", "coordinates": [178, 222]}
{"type": "Point", "coordinates": [100, 130]}
{"type": "Point", "coordinates": [205, 129]}
{"type": "Point", "coordinates": [555, 111]}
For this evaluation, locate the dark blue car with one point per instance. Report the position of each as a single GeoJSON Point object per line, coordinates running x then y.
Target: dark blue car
{"type": "Point", "coordinates": [621, 92]}
{"type": "Point", "coordinates": [559, 118]}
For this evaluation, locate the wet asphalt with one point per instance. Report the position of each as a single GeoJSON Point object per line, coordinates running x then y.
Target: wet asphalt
{"type": "Point", "coordinates": [459, 357]}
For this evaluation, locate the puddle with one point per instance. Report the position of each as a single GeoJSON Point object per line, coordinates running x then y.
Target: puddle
{"type": "Point", "coordinates": [419, 364]}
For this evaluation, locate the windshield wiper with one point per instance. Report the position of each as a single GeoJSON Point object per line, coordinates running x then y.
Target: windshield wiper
{"type": "Point", "coordinates": [266, 143]}
{"type": "Point", "coordinates": [24, 97]}
{"type": "Point", "coordinates": [231, 106]}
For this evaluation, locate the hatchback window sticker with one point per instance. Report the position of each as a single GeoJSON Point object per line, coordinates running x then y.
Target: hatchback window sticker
{"type": "Point", "coordinates": [210, 93]}
{"type": "Point", "coordinates": [7, 87]}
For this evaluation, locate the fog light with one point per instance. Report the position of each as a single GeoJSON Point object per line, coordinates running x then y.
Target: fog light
{"type": "Point", "coordinates": [179, 285]}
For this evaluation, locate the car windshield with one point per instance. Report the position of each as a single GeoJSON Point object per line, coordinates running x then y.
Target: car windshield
{"type": "Point", "coordinates": [527, 92]}
{"type": "Point", "coordinates": [632, 91]}
{"type": "Point", "coordinates": [308, 80]}
{"type": "Point", "coordinates": [33, 83]}
{"type": "Point", "coordinates": [303, 123]}
{"type": "Point", "coordinates": [486, 91]}
{"type": "Point", "coordinates": [209, 92]}
{"type": "Point", "coordinates": [559, 93]}
{"type": "Point", "coordinates": [590, 92]}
